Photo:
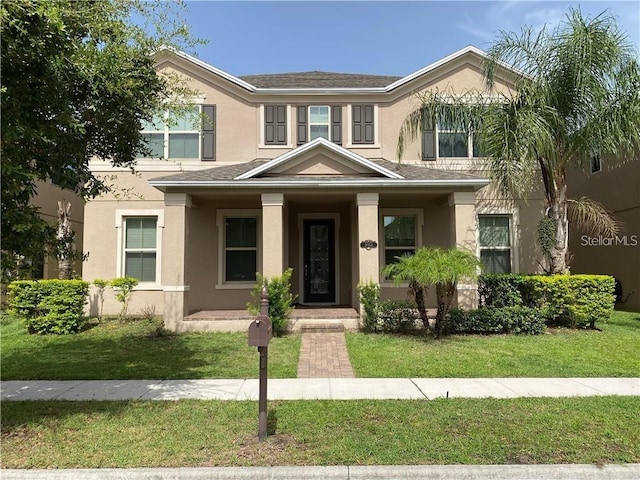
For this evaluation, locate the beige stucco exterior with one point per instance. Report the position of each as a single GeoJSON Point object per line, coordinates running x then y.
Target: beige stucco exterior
{"type": "Point", "coordinates": [617, 188]}
{"type": "Point", "coordinates": [348, 187]}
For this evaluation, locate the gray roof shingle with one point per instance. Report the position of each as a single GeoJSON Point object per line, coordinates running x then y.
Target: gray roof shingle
{"type": "Point", "coordinates": [319, 80]}
{"type": "Point", "coordinates": [229, 172]}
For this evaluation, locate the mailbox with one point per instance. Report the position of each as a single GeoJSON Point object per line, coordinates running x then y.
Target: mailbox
{"type": "Point", "coordinates": [260, 332]}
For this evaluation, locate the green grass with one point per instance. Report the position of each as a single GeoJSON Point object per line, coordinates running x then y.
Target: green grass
{"type": "Point", "coordinates": [204, 433]}
{"type": "Point", "coordinates": [612, 352]}
{"type": "Point", "coordinates": [133, 350]}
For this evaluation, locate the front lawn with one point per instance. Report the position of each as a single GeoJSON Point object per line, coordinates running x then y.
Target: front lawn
{"type": "Point", "coordinates": [206, 433]}
{"type": "Point", "coordinates": [612, 352]}
{"type": "Point", "coordinates": [134, 350]}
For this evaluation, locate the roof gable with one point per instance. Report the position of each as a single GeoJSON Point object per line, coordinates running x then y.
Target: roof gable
{"type": "Point", "coordinates": [337, 155]}
{"type": "Point", "coordinates": [325, 82]}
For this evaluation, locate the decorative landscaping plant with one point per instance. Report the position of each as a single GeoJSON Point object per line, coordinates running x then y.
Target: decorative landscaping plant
{"type": "Point", "coordinates": [280, 300]}
{"type": "Point", "coordinates": [433, 266]}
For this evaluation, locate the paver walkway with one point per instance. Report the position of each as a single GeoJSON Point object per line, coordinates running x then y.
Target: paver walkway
{"type": "Point", "coordinates": [324, 355]}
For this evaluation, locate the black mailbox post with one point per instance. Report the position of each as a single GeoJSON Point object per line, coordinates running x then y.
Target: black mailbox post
{"type": "Point", "coordinates": [260, 332]}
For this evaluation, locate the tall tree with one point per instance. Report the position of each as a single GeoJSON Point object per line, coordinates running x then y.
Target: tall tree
{"type": "Point", "coordinates": [577, 97]}
{"type": "Point", "coordinates": [78, 79]}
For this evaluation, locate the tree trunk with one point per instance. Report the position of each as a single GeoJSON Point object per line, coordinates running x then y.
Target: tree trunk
{"type": "Point", "coordinates": [558, 254]}
{"type": "Point", "coordinates": [418, 292]}
{"type": "Point", "coordinates": [64, 239]}
{"type": "Point", "coordinates": [444, 295]}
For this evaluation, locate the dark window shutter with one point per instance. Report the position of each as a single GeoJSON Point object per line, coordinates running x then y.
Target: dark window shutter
{"type": "Point", "coordinates": [363, 126]}
{"type": "Point", "coordinates": [275, 124]}
{"type": "Point", "coordinates": [428, 145]}
{"type": "Point", "coordinates": [209, 133]}
{"type": "Point", "coordinates": [336, 124]}
{"type": "Point", "coordinates": [302, 124]}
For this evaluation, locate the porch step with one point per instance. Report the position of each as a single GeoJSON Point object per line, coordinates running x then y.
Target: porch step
{"type": "Point", "coordinates": [322, 326]}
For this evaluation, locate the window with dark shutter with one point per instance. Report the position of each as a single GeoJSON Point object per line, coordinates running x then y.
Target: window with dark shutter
{"type": "Point", "coordinates": [336, 124]}
{"type": "Point", "coordinates": [301, 124]}
{"type": "Point", "coordinates": [208, 133]}
{"type": "Point", "coordinates": [275, 124]}
{"type": "Point", "coordinates": [428, 141]}
{"type": "Point", "coordinates": [363, 126]}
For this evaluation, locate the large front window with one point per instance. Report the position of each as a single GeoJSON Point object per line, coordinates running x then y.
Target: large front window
{"type": "Point", "coordinates": [495, 243]}
{"type": "Point", "coordinates": [240, 249]}
{"type": "Point", "coordinates": [399, 237]}
{"type": "Point", "coordinates": [140, 248]}
{"type": "Point", "coordinates": [174, 135]}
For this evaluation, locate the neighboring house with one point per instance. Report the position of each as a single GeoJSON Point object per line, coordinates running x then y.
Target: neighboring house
{"type": "Point", "coordinates": [299, 170]}
{"type": "Point", "coordinates": [617, 188]}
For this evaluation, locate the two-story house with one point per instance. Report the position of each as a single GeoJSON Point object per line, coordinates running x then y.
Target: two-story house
{"type": "Point", "coordinates": [298, 170]}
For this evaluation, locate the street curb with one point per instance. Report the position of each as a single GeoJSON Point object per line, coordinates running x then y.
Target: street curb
{"type": "Point", "coordinates": [344, 472]}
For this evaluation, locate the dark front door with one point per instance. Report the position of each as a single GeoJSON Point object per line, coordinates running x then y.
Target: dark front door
{"type": "Point", "coordinates": [319, 262]}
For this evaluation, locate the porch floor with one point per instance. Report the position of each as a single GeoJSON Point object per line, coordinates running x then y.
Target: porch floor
{"type": "Point", "coordinates": [300, 316]}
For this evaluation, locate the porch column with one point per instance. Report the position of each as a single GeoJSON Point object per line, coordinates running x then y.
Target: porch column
{"type": "Point", "coordinates": [368, 258]}
{"type": "Point", "coordinates": [462, 207]}
{"type": "Point", "coordinates": [174, 257]}
{"type": "Point", "coordinates": [272, 234]}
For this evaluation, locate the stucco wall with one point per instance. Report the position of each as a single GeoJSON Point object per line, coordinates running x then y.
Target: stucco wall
{"type": "Point", "coordinates": [617, 188]}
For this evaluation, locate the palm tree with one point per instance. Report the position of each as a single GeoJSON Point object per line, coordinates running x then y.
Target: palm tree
{"type": "Point", "coordinates": [433, 266]}
{"type": "Point", "coordinates": [577, 97]}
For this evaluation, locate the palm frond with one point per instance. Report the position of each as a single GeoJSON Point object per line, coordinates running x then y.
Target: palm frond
{"type": "Point", "coordinates": [592, 217]}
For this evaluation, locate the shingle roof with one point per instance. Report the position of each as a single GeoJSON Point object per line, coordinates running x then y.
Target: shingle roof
{"type": "Point", "coordinates": [229, 172]}
{"type": "Point", "coordinates": [318, 80]}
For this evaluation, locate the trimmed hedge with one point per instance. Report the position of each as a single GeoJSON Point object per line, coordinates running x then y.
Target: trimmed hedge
{"type": "Point", "coordinates": [580, 300]}
{"type": "Point", "coordinates": [491, 320]}
{"type": "Point", "coordinates": [49, 306]}
{"type": "Point", "coordinates": [397, 316]}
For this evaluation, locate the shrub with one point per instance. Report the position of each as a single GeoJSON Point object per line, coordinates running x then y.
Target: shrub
{"type": "Point", "coordinates": [500, 290]}
{"type": "Point", "coordinates": [49, 306]}
{"type": "Point", "coordinates": [488, 320]}
{"type": "Point", "coordinates": [397, 316]}
{"type": "Point", "coordinates": [123, 287]}
{"type": "Point", "coordinates": [581, 300]}
{"type": "Point", "coordinates": [370, 299]}
{"type": "Point", "coordinates": [280, 300]}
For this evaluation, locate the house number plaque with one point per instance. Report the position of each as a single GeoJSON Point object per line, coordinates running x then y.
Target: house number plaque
{"type": "Point", "coordinates": [368, 244]}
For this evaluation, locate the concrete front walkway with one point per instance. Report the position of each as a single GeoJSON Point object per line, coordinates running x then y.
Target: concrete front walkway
{"type": "Point", "coordinates": [317, 388]}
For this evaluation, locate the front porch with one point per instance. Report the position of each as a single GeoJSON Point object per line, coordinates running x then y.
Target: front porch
{"type": "Point", "coordinates": [346, 318]}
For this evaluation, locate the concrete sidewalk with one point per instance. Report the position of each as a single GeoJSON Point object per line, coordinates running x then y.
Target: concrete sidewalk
{"type": "Point", "coordinates": [346, 472]}
{"type": "Point", "coordinates": [317, 388]}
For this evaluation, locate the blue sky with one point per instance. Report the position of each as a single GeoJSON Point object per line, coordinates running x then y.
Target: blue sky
{"type": "Point", "coordinates": [377, 37]}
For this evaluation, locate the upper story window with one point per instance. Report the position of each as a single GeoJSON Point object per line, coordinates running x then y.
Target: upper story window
{"type": "Point", "coordinates": [448, 141]}
{"type": "Point", "coordinates": [187, 134]}
{"type": "Point", "coordinates": [596, 164]}
{"type": "Point", "coordinates": [363, 127]}
{"type": "Point", "coordinates": [319, 125]}
{"type": "Point", "coordinates": [316, 121]}
{"type": "Point", "coordinates": [451, 141]}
